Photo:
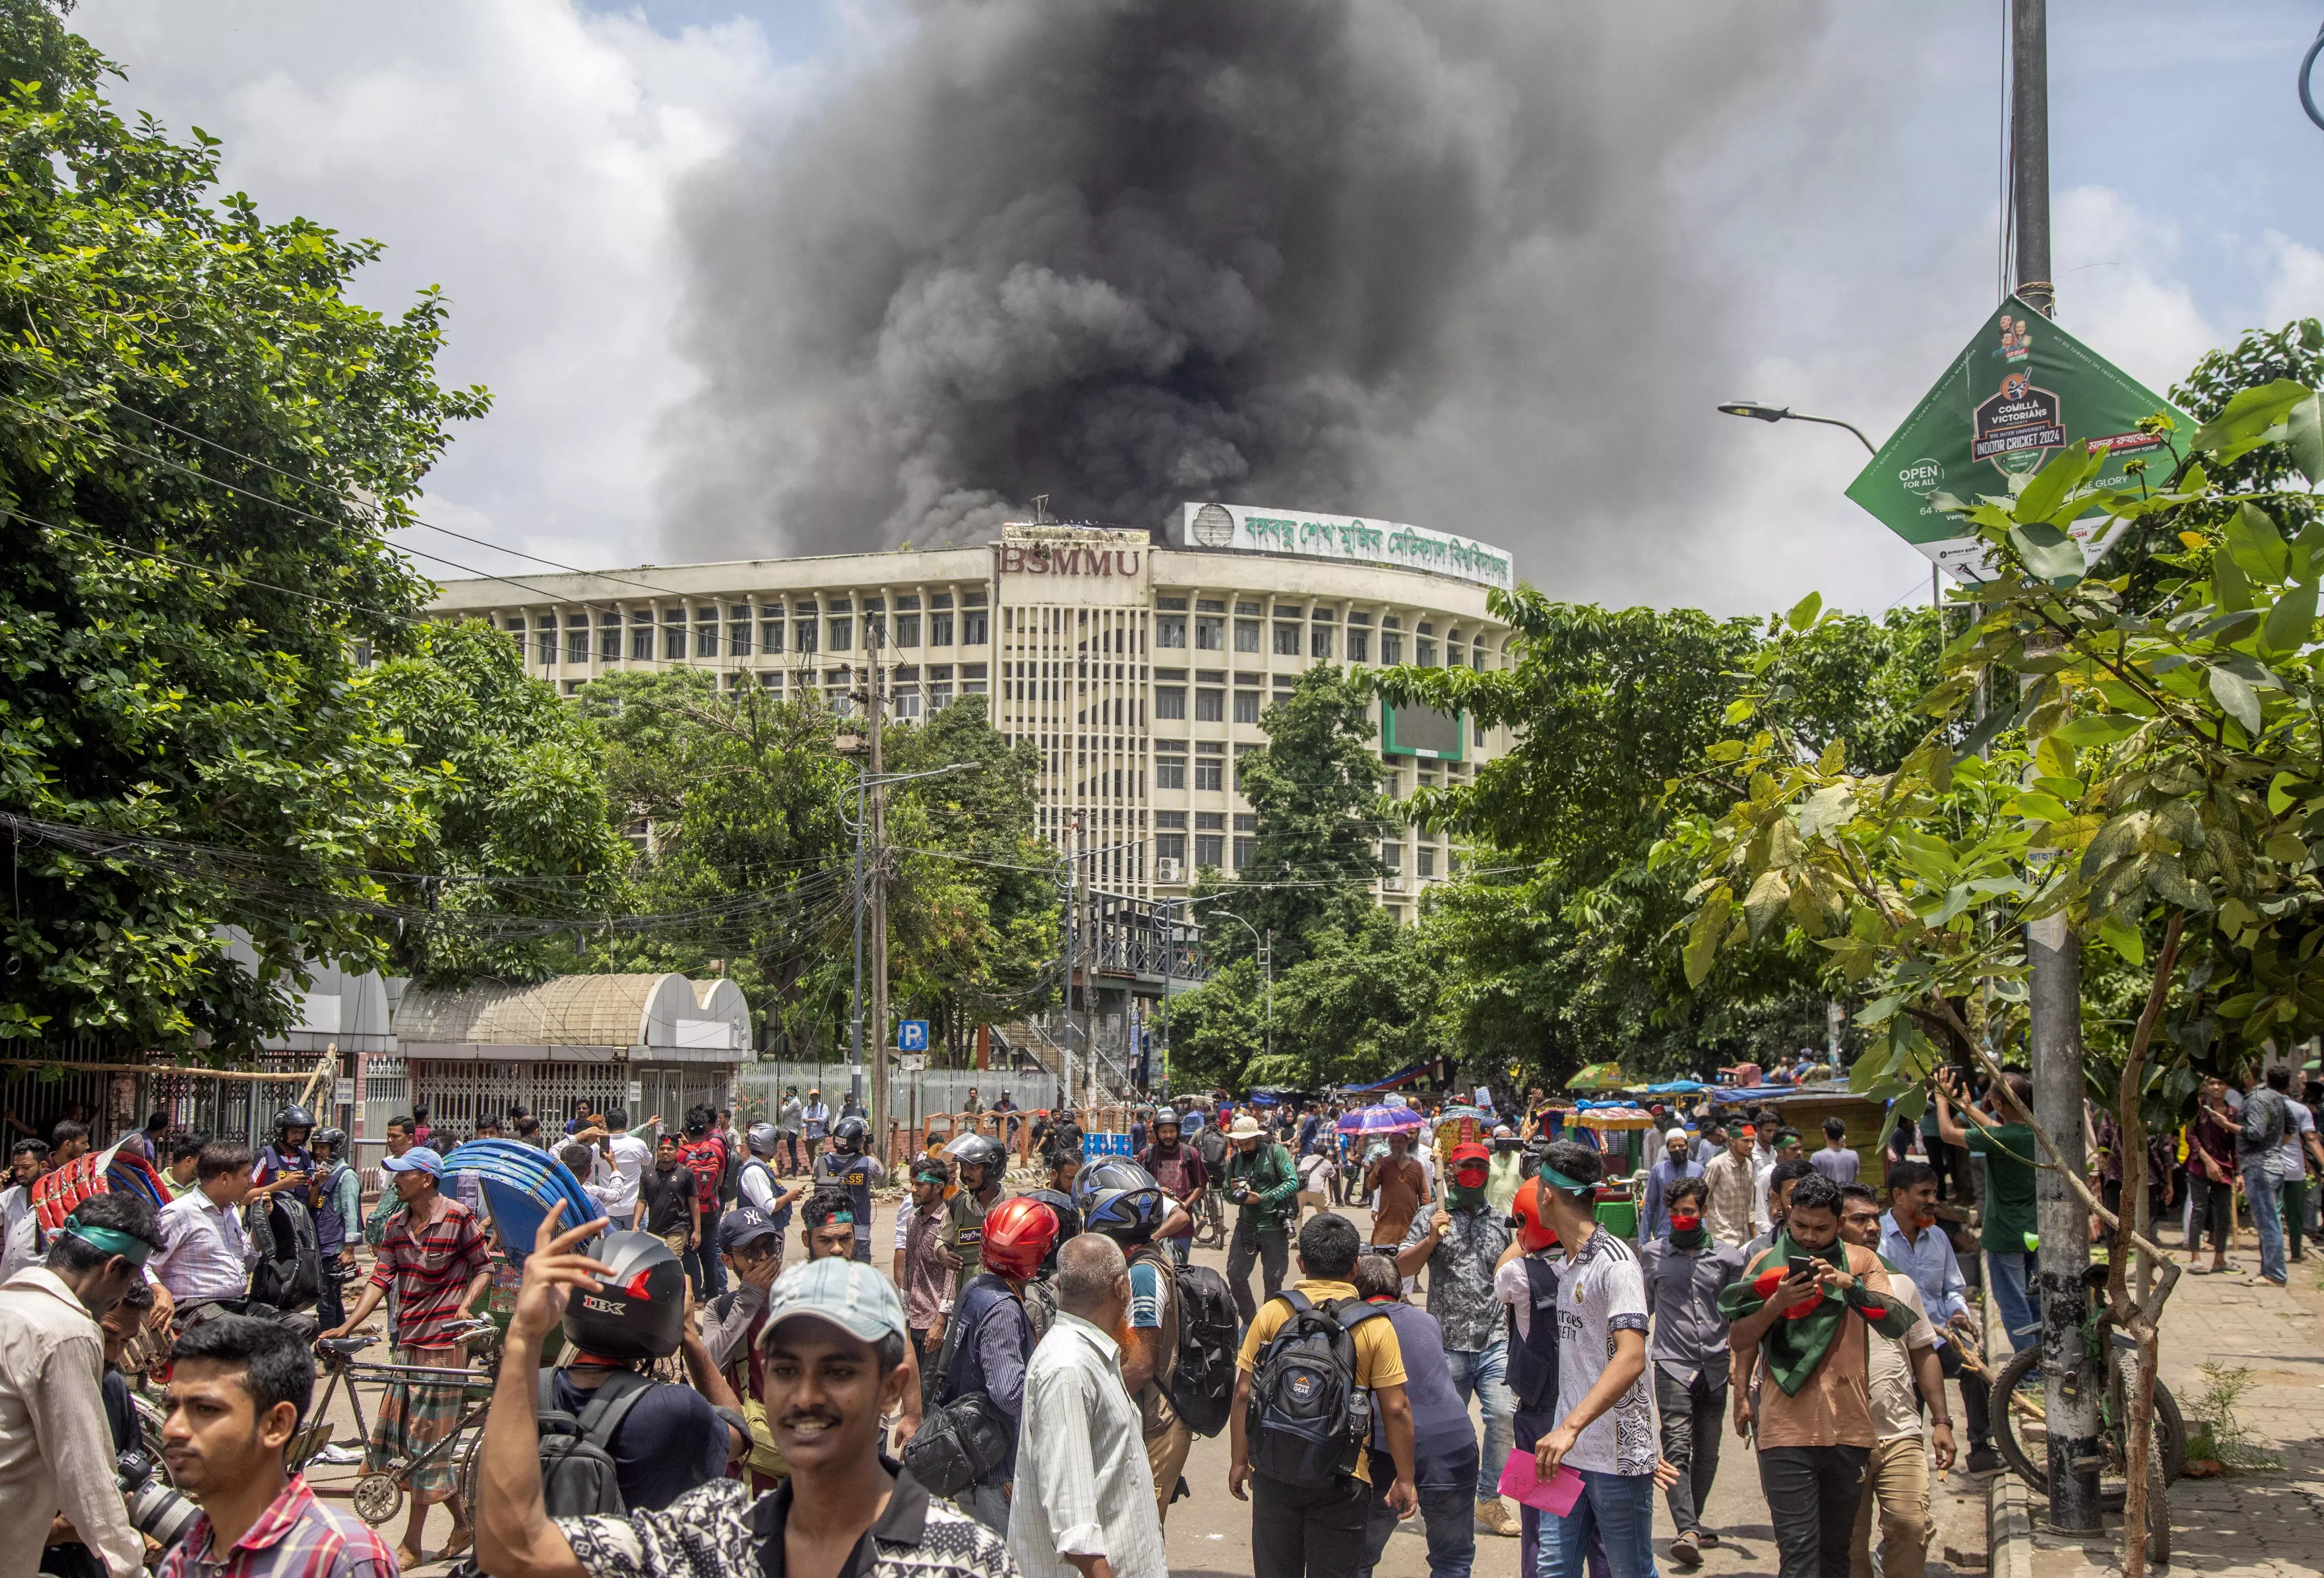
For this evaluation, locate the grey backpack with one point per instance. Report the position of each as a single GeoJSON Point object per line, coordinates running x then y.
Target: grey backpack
{"type": "Point", "coordinates": [578, 1478]}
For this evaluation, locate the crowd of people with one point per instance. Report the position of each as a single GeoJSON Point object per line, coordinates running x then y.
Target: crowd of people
{"type": "Point", "coordinates": [1020, 1387]}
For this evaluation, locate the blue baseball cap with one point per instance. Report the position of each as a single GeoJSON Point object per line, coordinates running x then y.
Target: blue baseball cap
{"type": "Point", "coordinates": [417, 1159]}
{"type": "Point", "coordinates": [741, 1225]}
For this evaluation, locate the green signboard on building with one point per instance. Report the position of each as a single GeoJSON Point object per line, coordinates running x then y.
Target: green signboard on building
{"type": "Point", "coordinates": [1423, 732]}
{"type": "Point", "coordinates": [2020, 392]}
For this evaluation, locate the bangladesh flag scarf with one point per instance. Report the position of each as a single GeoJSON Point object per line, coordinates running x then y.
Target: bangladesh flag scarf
{"type": "Point", "coordinates": [1795, 1344]}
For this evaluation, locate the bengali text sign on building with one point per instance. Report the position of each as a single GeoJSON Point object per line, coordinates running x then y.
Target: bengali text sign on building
{"type": "Point", "coordinates": [2020, 392]}
{"type": "Point", "coordinates": [1347, 539]}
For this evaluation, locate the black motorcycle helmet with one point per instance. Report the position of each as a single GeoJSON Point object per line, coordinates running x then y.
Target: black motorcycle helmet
{"type": "Point", "coordinates": [1120, 1199]}
{"type": "Point", "coordinates": [850, 1135]}
{"type": "Point", "coordinates": [640, 1313]}
{"type": "Point", "coordinates": [982, 1151]}
{"type": "Point", "coordinates": [1069, 1221]}
{"type": "Point", "coordinates": [293, 1116]}
{"type": "Point", "coordinates": [336, 1139]}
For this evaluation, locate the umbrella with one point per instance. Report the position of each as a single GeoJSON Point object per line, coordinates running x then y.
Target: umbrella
{"type": "Point", "coordinates": [520, 1184]}
{"type": "Point", "coordinates": [1381, 1121]}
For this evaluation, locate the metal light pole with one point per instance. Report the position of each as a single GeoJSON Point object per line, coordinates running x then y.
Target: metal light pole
{"type": "Point", "coordinates": [1783, 414]}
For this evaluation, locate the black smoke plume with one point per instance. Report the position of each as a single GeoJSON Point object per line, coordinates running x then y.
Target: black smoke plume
{"type": "Point", "coordinates": [1415, 259]}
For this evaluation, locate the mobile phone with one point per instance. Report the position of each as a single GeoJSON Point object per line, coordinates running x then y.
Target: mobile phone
{"type": "Point", "coordinates": [1802, 1265]}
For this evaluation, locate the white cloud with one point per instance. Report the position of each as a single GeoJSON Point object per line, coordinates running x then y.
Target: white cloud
{"type": "Point", "coordinates": [2295, 280]}
{"type": "Point", "coordinates": [521, 153]}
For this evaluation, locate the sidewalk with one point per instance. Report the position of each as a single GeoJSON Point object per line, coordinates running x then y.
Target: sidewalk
{"type": "Point", "coordinates": [2264, 1522]}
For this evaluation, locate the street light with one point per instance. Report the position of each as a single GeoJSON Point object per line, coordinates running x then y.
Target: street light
{"type": "Point", "coordinates": [1266, 961]}
{"type": "Point", "coordinates": [865, 781]}
{"type": "Point", "coordinates": [1783, 414]}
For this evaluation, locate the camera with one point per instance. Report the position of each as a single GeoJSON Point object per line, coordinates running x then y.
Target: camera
{"type": "Point", "coordinates": [156, 1510]}
{"type": "Point", "coordinates": [1508, 1143]}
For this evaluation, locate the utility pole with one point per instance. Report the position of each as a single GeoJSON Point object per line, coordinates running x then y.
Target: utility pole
{"type": "Point", "coordinates": [874, 629]}
{"type": "Point", "coordinates": [1065, 1024]}
{"type": "Point", "coordinates": [2054, 993]}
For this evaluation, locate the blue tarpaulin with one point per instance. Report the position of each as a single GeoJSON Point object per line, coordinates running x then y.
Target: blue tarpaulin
{"type": "Point", "coordinates": [1401, 1077]}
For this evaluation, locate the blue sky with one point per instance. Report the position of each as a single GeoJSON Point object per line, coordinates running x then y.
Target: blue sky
{"type": "Point", "coordinates": [526, 155]}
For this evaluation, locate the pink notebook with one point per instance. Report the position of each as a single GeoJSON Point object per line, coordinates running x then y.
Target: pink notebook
{"type": "Point", "coordinates": [1521, 1478]}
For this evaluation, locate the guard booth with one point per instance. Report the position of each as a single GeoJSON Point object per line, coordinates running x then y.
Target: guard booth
{"type": "Point", "coordinates": [647, 1044]}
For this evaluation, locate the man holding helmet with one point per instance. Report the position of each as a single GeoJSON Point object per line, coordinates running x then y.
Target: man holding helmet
{"type": "Point", "coordinates": [664, 1439]}
{"type": "Point", "coordinates": [831, 1351]}
{"type": "Point", "coordinates": [850, 1166]}
{"type": "Point", "coordinates": [1122, 1200]}
{"type": "Point", "coordinates": [1178, 1168]}
{"type": "Point", "coordinates": [990, 1338]}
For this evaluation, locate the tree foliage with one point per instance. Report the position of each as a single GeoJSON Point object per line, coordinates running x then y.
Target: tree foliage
{"type": "Point", "coordinates": [202, 446]}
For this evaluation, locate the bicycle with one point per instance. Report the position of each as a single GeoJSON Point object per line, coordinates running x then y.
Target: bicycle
{"type": "Point", "coordinates": [1211, 1226]}
{"type": "Point", "coordinates": [378, 1494]}
{"type": "Point", "coordinates": [2020, 1427]}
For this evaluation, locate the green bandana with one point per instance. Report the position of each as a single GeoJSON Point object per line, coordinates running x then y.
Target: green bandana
{"type": "Point", "coordinates": [1794, 1348]}
{"type": "Point", "coordinates": [112, 1242]}
{"type": "Point", "coordinates": [1690, 1238]}
{"type": "Point", "coordinates": [1465, 1199]}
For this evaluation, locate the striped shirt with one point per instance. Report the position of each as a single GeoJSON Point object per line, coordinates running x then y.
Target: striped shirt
{"type": "Point", "coordinates": [297, 1537]}
{"type": "Point", "coordinates": [431, 1274]}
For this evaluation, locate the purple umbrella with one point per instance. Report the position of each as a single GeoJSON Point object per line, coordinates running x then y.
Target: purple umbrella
{"type": "Point", "coordinates": [1381, 1121]}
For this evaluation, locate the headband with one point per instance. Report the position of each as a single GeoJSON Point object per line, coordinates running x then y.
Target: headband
{"type": "Point", "coordinates": [1570, 1186]}
{"type": "Point", "coordinates": [112, 1240]}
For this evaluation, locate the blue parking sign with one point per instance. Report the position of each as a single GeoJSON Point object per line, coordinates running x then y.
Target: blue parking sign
{"type": "Point", "coordinates": [911, 1035]}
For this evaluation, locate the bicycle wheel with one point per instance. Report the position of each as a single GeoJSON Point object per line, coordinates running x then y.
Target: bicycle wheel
{"type": "Point", "coordinates": [2021, 1430]}
{"type": "Point", "coordinates": [2160, 1470]}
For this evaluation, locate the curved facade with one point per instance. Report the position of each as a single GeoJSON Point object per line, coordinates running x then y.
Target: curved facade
{"type": "Point", "coordinates": [1139, 671]}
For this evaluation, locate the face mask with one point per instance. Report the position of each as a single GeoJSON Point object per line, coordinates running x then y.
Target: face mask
{"type": "Point", "coordinates": [1464, 1198]}
{"type": "Point", "coordinates": [1688, 1231]}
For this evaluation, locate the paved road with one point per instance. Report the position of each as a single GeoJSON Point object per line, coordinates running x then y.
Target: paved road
{"type": "Point", "coordinates": [1210, 1533]}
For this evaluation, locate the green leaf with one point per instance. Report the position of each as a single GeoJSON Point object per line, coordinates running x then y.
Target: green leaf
{"type": "Point", "coordinates": [1803, 612]}
{"type": "Point", "coordinates": [2292, 622]}
{"type": "Point", "coordinates": [2052, 483]}
{"type": "Point", "coordinates": [2234, 692]}
{"type": "Point", "coordinates": [1704, 936]}
{"type": "Point", "coordinates": [2279, 793]}
{"type": "Point", "coordinates": [2048, 553]}
{"type": "Point", "coordinates": [2230, 588]}
{"type": "Point", "coordinates": [1738, 711]}
{"type": "Point", "coordinates": [2254, 543]}
{"type": "Point", "coordinates": [2123, 940]}
{"type": "Point", "coordinates": [2304, 436]}
{"type": "Point", "coordinates": [2249, 418]}
{"type": "Point", "coordinates": [2094, 729]}
{"type": "Point", "coordinates": [1878, 1013]}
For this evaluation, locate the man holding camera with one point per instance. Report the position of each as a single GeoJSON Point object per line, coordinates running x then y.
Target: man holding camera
{"type": "Point", "coordinates": [56, 1453]}
{"type": "Point", "coordinates": [239, 1389]}
{"type": "Point", "coordinates": [1262, 1186]}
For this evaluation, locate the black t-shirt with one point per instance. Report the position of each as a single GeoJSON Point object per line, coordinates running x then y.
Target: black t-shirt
{"type": "Point", "coordinates": [669, 1442]}
{"type": "Point", "coordinates": [668, 1197]}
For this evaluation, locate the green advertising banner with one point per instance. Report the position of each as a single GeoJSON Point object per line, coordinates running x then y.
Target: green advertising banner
{"type": "Point", "coordinates": [2017, 394]}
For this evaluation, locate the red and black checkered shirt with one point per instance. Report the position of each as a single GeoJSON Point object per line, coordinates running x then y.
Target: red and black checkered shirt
{"type": "Point", "coordinates": [431, 1272]}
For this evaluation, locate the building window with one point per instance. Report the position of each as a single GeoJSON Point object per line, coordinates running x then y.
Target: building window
{"type": "Point", "coordinates": [515, 627]}
{"type": "Point", "coordinates": [641, 644]}
{"type": "Point", "coordinates": [770, 635]}
{"type": "Point", "coordinates": [1210, 849]}
{"type": "Point", "coordinates": [939, 695]}
{"type": "Point", "coordinates": [1169, 773]}
{"type": "Point", "coordinates": [738, 639]}
{"type": "Point", "coordinates": [1210, 706]}
{"type": "Point", "coordinates": [972, 675]}
{"type": "Point", "coordinates": [1246, 636]}
{"type": "Point", "coordinates": [1424, 650]}
{"type": "Point", "coordinates": [609, 639]}
{"type": "Point", "coordinates": [842, 631]}
{"type": "Point", "coordinates": [1171, 846]}
{"type": "Point", "coordinates": [1427, 863]}
{"type": "Point", "coordinates": [576, 638]}
{"type": "Point", "coordinates": [1170, 701]}
{"type": "Point", "coordinates": [908, 703]}
{"type": "Point", "coordinates": [1246, 707]}
{"type": "Point", "coordinates": [1319, 641]}
{"type": "Point", "coordinates": [974, 626]}
{"type": "Point", "coordinates": [1359, 646]}
{"type": "Point", "coordinates": [1392, 857]}
{"type": "Point", "coordinates": [1170, 631]}
{"type": "Point", "coordinates": [940, 628]}
{"type": "Point", "coordinates": [705, 640]}
{"type": "Point", "coordinates": [908, 630]}
{"type": "Point", "coordinates": [771, 679]}
{"type": "Point", "coordinates": [1286, 641]}
{"type": "Point", "coordinates": [1210, 635]}
{"type": "Point", "coordinates": [1391, 648]}
{"type": "Point", "coordinates": [1241, 752]}
{"type": "Point", "coordinates": [804, 631]}
{"type": "Point", "coordinates": [545, 640]}
{"type": "Point", "coordinates": [1210, 775]}
{"type": "Point", "coordinates": [1243, 850]}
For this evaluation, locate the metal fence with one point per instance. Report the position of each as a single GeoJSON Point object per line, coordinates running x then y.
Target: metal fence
{"type": "Point", "coordinates": [929, 1090]}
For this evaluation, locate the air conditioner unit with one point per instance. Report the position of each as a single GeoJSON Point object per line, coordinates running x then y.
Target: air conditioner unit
{"type": "Point", "coordinates": [1166, 870]}
{"type": "Point", "coordinates": [1393, 882]}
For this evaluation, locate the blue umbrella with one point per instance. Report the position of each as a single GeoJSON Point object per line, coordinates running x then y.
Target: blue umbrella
{"type": "Point", "coordinates": [520, 1184]}
{"type": "Point", "coordinates": [1381, 1121]}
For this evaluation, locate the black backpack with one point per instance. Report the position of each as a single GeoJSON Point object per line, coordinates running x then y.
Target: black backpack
{"type": "Point", "coordinates": [1308, 1416]}
{"type": "Point", "coordinates": [963, 1441]}
{"type": "Point", "coordinates": [578, 1476]}
{"type": "Point", "coordinates": [289, 1273]}
{"type": "Point", "coordinates": [1202, 1382]}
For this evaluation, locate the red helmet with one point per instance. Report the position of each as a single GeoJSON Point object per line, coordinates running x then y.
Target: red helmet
{"type": "Point", "coordinates": [1534, 1230]}
{"type": "Point", "coordinates": [1018, 1236]}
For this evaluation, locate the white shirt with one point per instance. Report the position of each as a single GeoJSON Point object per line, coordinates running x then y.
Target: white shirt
{"type": "Point", "coordinates": [56, 1451]}
{"type": "Point", "coordinates": [1760, 1179]}
{"type": "Point", "coordinates": [1601, 1291]}
{"type": "Point", "coordinates": [2298, 1123]}
{"type": "Point", "coordinates": [619, 1178]}
{"type": "Point", "coordinates": [1082, 1485]}
{"type": "Point", "coordinates": [205, 1254]}
{"type": "Point", "coordinates": [904, 1214]}
{"type": "Point", "coordinates": [20, 1231]}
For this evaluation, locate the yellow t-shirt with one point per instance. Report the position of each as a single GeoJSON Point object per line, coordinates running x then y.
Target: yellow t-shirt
{"type": "Point", "coordinates": [1380, 1357]}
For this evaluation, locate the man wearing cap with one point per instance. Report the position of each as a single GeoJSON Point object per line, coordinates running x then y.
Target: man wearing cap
{"type": "Point", "coordinates": [831, 1354]}
{"type": "Point", "coordinates": [1653, 1221]}
{"type": "Point", "coordinates": [1730, 1180]}
{"type": "Point", "coordinates": [1261, 1185]}
{"type": "Point", "coordinates": [433, 1256]}
{"type": "Point", "coordinates": [751, 1248]}
{"type": "Point", "coordinates": [1460, 1243]}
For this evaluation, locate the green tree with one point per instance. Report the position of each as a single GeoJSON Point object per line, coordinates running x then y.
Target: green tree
{"type": "Point", "coordinates": [202, 446]}
{"type": "Point", "coordinates": [1315, 790]}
